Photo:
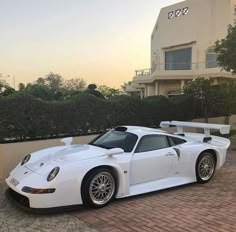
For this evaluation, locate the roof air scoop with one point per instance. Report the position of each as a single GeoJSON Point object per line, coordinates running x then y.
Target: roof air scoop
{"type": "Point", "coordinates": [121, 128]}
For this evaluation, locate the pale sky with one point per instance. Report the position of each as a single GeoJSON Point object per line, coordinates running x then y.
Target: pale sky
{"type": "Point", "coordinates": [101, 41]}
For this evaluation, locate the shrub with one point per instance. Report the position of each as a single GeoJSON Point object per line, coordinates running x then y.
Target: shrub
{"type": "Point", "coordinates": [25, 117]}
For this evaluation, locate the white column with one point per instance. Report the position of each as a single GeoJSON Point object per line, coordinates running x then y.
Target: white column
{"type": "Point", "coordinates": [215, 81]}
{"type": "Point", "coordinates": [182, 85]}
{"type": "Point", "coordinates": [145, 91]}
{"type": "Point", "coordinates": [148, 91]}
{"type": "Point", "coordinates": [156, 88]}
{"type": "Point", "coordinates": [141, 94]}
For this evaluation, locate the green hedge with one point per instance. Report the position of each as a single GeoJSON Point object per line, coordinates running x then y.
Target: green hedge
{"type": "Point", "coordinates": [24, 117]}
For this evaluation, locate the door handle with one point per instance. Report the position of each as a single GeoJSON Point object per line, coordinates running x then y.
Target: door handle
{"type": "Point", "coordinates": [169, 154]}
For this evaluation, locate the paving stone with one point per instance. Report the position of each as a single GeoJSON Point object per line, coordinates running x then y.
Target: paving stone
{"type": "Point", "coordinates": [210, 207]}
{"type": "Point", "coordinates": [197, 208]}
{"type": "Point", "coordinates": [13, 219]}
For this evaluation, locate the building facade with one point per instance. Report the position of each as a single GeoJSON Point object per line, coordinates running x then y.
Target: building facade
{"type": "Point", "coordinates": [182, 47]}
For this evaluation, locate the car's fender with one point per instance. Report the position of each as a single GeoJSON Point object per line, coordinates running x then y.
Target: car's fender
{"type": "Point", "coordinates": [198, 148]}
{"type": "Point", "coordinates": [120, 164]}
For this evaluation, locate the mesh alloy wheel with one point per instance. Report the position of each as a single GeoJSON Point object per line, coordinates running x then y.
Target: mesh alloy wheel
{"type": "Point", "coordinates": [102, 188]}
{"type": "Point", "coordinates": [98, 188]}
{"type": "Point", "coordinates": [205, 167]}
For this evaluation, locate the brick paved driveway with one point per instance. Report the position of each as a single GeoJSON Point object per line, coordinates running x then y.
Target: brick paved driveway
{"type": "Point", "coordinates": [13, 219]}
{"type": "Point", "coordinates": [203, 208]}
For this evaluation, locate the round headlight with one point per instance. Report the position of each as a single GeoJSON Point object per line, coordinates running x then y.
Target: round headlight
{"type": "Point", "coordinates": [53, 173]}
{"type": "Point", "coordinates": [25, 160]}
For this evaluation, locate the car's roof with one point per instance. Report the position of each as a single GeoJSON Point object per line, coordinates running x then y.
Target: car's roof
{"type": "Point", "coordinates": [142, 131]}
{"type": "Point", "coordinates": [139, 130]}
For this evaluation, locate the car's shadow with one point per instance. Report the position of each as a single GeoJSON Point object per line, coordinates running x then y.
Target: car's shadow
{"type": "Point", "coordinates": [166, 193]}
{"type": "Point", "coordinates": [133, 199]}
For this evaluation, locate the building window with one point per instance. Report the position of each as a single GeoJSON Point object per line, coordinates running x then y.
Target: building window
{"type": "Point", "coordinates": [171, 15]}
{"type": "Point", "coordinates": [211, 58]}
{"type": "Point", "coordinates": [234, 9]}
{"type": "Point", "coordinates": [179, 59]}
{"type": "Point", "coordinates": [178, 13]}
{"type": "Point", "coordinates": [185, 11]}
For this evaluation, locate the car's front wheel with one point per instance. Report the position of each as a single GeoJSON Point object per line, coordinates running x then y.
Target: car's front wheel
{"type": "Point", "coordinates": [205, 167]}
{"type": "Point", "coordinates": [99, 188]}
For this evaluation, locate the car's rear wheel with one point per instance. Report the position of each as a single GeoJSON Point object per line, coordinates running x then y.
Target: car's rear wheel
{"type": "Point", "coordinates": [205, 167]}
{"type": "Point", "coordinates": [99, 188]}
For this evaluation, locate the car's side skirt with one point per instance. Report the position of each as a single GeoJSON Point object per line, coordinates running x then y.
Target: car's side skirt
{"type": "Point", "coordinates": [158, 185]}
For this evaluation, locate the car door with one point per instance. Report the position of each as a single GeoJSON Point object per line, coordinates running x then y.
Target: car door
{"type": "Point", "coordinates": [152, 159]}
{"type": "Point", "coordinates": [179, 164]}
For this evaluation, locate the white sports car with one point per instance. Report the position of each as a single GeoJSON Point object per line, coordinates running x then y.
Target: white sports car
{"type": "Point", "coordinates": [122, 162]}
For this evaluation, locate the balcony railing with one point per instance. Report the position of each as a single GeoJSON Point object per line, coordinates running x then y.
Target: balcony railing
{"type": "Point", "coordinates": [143, 72]}
{"type": "Point", "coordinates": [177, 67]}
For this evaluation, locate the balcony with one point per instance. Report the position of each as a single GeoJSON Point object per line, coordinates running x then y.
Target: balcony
{"type": "Point", "coordinates": [185, 66]}
{"type": "Point", "coordinates": [176, 70]}
{"type": "Point", "coordinates": [143, 72]}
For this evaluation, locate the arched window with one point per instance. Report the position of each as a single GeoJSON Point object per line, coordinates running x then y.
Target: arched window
{"type": "Point", "coordinates": [211, 58]}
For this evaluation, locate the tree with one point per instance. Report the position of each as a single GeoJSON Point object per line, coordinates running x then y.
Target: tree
{"type": "Point", "coordinates": [53, 81]}
{"type": "Point", "coordinates": [74, 85]}
{"type": "Point", "coordinates": [21, 87]}
{"type": "Point", "coordinates": [5, 89]}
{"type": "Point", "coordinates": [53, 87]}
{"type": "Point", "coordinates": [200, 89]}
{"type": "Point", "coordinates": [2, 86]}
{"type": "Point", "coordinates": [39, 91]}
{"type": "Point", "coordinates": [8, 91]}
{"type": "Point", "coordinates": [125, 110]}
{"type": "Point", "coordinates": [108, 92]}
{"type": "Point", "coordinates": [41, 81]}
{"type": "Point", "coordinates": [227, 98]}
{"type": "Point", "coordinates": [49, 87]}
{"type": "Point", "coordinates": [183, 107]}
{"type": "Point", "coordinates": [226, 50]}
{"type": "Point", "coordinates": [91, 89]}
{"type": "Point", "coordinates": [154, 110]}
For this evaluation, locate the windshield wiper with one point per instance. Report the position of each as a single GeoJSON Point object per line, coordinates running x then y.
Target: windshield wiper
{"type": "Point", "coordinates": [101, 145]}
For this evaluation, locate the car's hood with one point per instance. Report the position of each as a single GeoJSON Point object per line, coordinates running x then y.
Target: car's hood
{"type": "Point", "coordinates": [49, 158]}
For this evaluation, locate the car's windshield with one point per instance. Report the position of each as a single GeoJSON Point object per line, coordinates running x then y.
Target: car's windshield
{"type": "Point", "coordinates": [116, 139]}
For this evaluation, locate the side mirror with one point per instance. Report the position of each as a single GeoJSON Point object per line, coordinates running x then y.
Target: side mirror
{"type": "Point", "coordinates": [114, 151]}
{"type": "Point", "coordinates": [67, 141]}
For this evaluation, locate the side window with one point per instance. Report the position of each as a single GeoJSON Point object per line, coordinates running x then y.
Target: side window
{"type": "Point", "coordinates": [211, 58]}
{"type": "Point", "coordinates": [175, 141]}
{"type": "Point", "coordinates": [151, 143]}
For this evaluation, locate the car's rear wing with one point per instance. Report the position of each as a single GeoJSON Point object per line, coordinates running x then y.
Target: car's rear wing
{"type": "Point", "coordinates": [224, 129]}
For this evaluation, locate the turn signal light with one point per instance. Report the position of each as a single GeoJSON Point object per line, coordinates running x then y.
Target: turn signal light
{"type": "Point", "coordinates": [37, 191]}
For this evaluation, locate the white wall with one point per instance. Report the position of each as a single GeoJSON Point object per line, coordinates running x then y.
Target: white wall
{"type": "Point", "coordinates": [12, 153]}
{"type": "Point", "coordinates": [206, 22]}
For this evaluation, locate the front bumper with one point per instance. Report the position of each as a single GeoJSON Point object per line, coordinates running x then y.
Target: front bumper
{"type": "Point", "coordinates": [22, 202]}
{"type": "Point", "coordinates": [66, 195]}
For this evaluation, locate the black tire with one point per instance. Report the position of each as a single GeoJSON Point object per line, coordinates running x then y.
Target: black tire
{"type": "Point", "coordinates": [205, 167]}
{"type": "Point", "coordinates": [91, 185]}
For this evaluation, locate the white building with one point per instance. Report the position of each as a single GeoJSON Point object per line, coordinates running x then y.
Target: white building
{"type": "Point", "coordinates": [182, 46]}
